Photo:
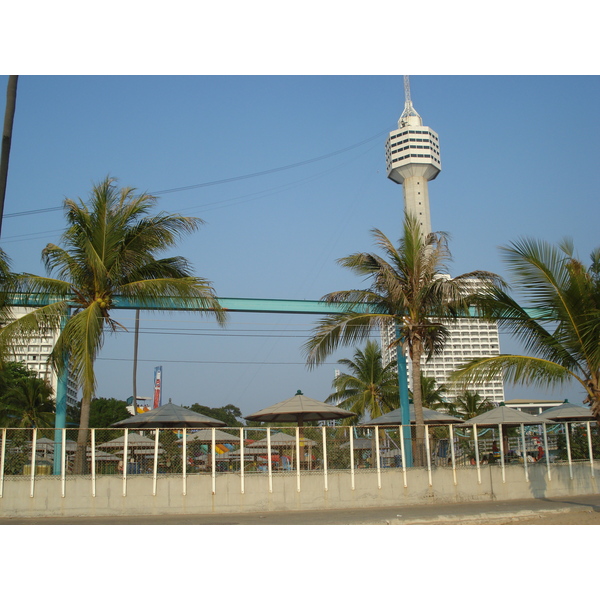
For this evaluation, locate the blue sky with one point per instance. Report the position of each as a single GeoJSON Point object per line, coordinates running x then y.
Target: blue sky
{"type": "Point", "coordinates": [519, 155]}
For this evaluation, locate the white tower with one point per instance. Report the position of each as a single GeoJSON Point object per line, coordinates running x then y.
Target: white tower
{"type": "Point", "coordinates": [412, 154]}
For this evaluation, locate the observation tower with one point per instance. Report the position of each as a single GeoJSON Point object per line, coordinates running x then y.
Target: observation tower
{"type": "Point", "coordinates": [412, 155]}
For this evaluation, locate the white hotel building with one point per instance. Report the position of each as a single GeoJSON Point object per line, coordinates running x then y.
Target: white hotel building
{"type": "Point", "coordinates": [35, 356]}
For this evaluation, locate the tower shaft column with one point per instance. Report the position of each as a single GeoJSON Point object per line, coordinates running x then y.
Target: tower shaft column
{"type": "Point", "coordinates": [416, 201]}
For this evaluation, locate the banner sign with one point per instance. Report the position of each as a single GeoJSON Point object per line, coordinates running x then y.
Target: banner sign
{"type": "Point", "coordinates": [157, 387]}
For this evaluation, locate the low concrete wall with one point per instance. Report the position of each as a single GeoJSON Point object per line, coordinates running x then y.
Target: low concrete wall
{"type": "Point", "coordinates": [370, 490]}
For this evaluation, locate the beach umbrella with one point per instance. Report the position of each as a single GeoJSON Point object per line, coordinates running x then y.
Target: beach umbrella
{"type": "Point", "coordinates": [569, 412]}
{"type": "Point", "coordinates": [205, 436]}
{"type": "Point", "coordinates": [503, 415]}
{"type": "Point", "coordinates": [278, 440]}
{"type": "Point", "coordinates": [301, 409]}
{"type": "Point", "coordinates": [169, 416]}
{"type": "Point", "coordinates": [430, 417]}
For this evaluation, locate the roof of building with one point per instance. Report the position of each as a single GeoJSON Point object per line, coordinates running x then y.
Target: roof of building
{"type": "Point", "coordinates": [534, 402]}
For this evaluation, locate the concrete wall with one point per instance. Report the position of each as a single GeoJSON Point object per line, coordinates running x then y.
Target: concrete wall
{"type": "Point", "coordinates": [139, 499]}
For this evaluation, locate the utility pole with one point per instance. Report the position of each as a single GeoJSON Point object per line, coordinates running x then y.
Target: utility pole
{"type": "Point", "coordinates": [9, 117]}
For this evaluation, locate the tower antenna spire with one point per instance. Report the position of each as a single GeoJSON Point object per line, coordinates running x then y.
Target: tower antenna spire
{"type": "Point", "coordinates": [409, 109]}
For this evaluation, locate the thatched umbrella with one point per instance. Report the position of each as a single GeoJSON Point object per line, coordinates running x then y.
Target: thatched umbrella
{"type": "Point", "coordinates": [168, 416]}
{"type": "Point", "coordinates": [301, 409]}
{"type": "Point", "coordinates": [569, 412]}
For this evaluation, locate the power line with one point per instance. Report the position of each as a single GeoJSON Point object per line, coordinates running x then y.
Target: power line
{"type": "Point", "coordinates": [210, 362]}
{"type": "Point", "coordinates": [221, 181]}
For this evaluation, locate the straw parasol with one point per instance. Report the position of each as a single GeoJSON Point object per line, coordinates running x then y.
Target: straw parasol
{"type": "Point", "coordinates": [169, 416]}
{"type": "Point", "coordinates": [299, 408]}
{"type": "Point", "coordinates": [503, 415]}
{"type": "Point", "coordinates": [569, 412]}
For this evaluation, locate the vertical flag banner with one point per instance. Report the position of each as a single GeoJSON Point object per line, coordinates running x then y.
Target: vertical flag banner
{"type": "Point", "coordinates": [157, 387]}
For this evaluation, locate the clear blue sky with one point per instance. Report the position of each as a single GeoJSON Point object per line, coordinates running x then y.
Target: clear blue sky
{"type": "Point", "coordinates": [519, 155]}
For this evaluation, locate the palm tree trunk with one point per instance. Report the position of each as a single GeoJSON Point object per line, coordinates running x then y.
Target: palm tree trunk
{"type": "Point", "coordinates": [9, 117]}
{"type": "Point", "coordinates": [416, 353]}
{"type": "Point", "coordinates": [79, 467]}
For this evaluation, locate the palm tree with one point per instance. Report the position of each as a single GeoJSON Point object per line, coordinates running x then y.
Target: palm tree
{"type": "Point", "coordinates": [432, 395]}
{"type": "Point", "coordinates": [369, 388]}
{"type": "Point", "coordinates": [109, 251]}
{"type": "Point", "coordinates": [412, 290]}
{"type": "Point", "coordinates": [469, 404]}
{"type": "Point", "coordinates": [8, 284]}
{"type": "Point", "coordinates": [560, 328]}
{"type": "Point", "coordinates": [28, 403]}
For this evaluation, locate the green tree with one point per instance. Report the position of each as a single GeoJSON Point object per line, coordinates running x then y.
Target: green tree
{"type": "Point", "coordinates": [106, 411]}
{"type": "Point", "coordinates": [229, 414]}
{"type": "Point", "coordinates": [469, 404]}
{"type": "Point", "coordinates": [433, 396]}
{"type": "Point", "coordinates": [110, 251]}
{"type": "Point", "coordinates": [369, 389]}
{"type": "Point", "coordinates": [560, 329]}
{"type": "Point", "coordinates": [25, 400]}
{"type": "Point", "coordinates": [409, 288]}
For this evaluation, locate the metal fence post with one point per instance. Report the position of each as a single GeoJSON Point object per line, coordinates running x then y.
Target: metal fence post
{"type": "Point", "coordinates": [214, 462]}
{"type": "Point", "coordinates": [2, 459]}
{"type": "Point", "coordinates": [155, 465]}
{"type": "Point", "coordinates": [184, 461]}
{"type": "Point", "coordinates": [325, 481]}
{"type": "Point", "coordinates": [589, 436]}
{"type": "Point", "coordinates": [63, 463]}
{"type": "Point", "coordinates": [269, 463]}
{"type": "Point", "coordinates": [403, 455]}
{"type": "Point", "coordinates": [125, 460]}
{"type": "Point", "coordinates": [427, 449]}
{"type": "Point", "coordinates": [477, 461]}
{"type": "Point", "coordinates": [524, 452]}
{"type": "Point", "coordinates": [451, 431]}
{"type": "Point", "coordinates": [502, 453]}
{"type": "Point", "coordinates": [546, 450]}
{"type": "Point", "coordinates": [351, 456]}
{"type": "Point", "coordinates": [377, 456]}
{"type": "Point", "coordinates": [569, 450]}
{"type": "Point", "coordinates": [93, 460]}
{"type": "Point", "coordinates": [298, 459]}
{"type": "Point", "coordinates": [242, 459]}
{"type": "Point", "coordinates": [33, 443]}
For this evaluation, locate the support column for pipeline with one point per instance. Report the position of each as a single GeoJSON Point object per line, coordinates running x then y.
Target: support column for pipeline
{"type": "Point", "coordinates": [404, 400]}
{"type": "Point", "coordinates": [60, 416]}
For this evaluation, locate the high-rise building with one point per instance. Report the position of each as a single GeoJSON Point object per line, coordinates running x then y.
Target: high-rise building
{"type": "Point", "coordinates": [412, 160]}
{"type": "Point", "coordinates": [34, 354]}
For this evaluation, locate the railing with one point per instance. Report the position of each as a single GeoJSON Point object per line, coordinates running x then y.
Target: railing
{"type": "Point", "coordinates": [285, 452]}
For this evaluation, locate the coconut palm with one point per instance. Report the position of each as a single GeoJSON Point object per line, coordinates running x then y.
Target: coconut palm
{"type": "Point", "coordinates": [412, 290]}
{"type": "Point", "coordinates": [560, 329]}
{"type": "Point", "coordinates": [432, 395]}
{"type": "Point", "coordinates": [369, 389]}
{"type": "Point", "coordinates": [28, 403]}
{"type": "Point", "coordinates": [469, 404]}
{"type": "Point", "coordinates": [109, 252]}
{"type": "Point", "coordinates": [8, 284]}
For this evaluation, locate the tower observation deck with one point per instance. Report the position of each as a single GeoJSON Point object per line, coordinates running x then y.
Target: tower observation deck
{"type": "Point", "coordinates": [412, 154]}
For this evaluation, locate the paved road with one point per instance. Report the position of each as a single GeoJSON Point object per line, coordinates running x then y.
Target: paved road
{"type": "Point", "coordinates": [573, 510]}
